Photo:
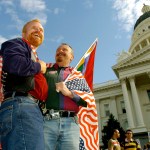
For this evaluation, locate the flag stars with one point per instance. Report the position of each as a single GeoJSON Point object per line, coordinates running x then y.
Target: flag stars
{"type": "Point", "coordinates": [78, 84]}
{"type": "Point", "coordinates": [81, 145]}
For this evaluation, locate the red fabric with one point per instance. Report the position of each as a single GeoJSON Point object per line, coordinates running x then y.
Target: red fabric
{"type": "Point", "coordinates": [40, 90]}
{"type": "Point", "coordinates": [90, 69]}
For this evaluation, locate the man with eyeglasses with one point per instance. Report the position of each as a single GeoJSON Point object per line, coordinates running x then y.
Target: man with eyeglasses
{"type": "Point", "coordinates": [130, 143]}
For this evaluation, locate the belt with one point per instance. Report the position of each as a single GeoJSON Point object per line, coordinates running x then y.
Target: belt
{"type": "Point", "coordinates": [8, 95]}
{"type": "Point", "coordinates": [55, 114]}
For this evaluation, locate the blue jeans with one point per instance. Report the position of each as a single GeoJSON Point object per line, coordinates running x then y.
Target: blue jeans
{"type": "Point", "coordinates": [62, 133]}
{"type": "Point", "coordinates": [21, 124]}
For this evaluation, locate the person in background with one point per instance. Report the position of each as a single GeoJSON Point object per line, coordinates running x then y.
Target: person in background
{"type": "Point", "coordinates": [148, 146]}
{"type": "Point", "coordinates": [113, 143]}
{"type": "Point", "coordinates": [21, 121]}
{"type": "Point", "coordinates": [130, 143]}
{"type": "Point", "coordinates": [61, 129]}
{"type": "Point", "coordinates": [145, 147]}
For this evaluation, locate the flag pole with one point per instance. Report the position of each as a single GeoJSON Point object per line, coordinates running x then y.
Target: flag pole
{"type": "Point", "coordinates": [81, 59]}
{"type": "Point", "coordinates": [85, 53]}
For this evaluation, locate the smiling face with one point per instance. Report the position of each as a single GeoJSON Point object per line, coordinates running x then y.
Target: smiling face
{"type": "Point", "coordinates": [33, 32]}
{"type": "Point", "coordinates": [64, 55]}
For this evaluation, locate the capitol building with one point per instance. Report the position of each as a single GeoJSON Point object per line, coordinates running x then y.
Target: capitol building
{"type": "Point", "coordinates": [128, 97]}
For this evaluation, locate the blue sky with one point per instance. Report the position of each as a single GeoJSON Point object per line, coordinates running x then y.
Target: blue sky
{"type": "Point", "coordinates": [78, 23]}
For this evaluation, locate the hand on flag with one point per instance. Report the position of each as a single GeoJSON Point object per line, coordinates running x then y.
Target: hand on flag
{"type": "Point", "coordinates": [61, 87]}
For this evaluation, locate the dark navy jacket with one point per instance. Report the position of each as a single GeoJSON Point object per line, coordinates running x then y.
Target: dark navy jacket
{"type": "Point", "coordinates": [16, 55]}
{"type": "Point", "coordinates": [18, 67]}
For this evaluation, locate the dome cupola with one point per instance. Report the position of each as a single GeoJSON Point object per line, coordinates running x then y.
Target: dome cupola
{"type": "Point", "coordinates": [146, 14]}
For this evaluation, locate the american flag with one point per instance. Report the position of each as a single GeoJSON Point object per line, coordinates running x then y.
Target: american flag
{"type": "Point", "coordinates": [89, 137]}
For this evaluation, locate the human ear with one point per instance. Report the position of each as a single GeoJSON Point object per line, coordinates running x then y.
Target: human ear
{"type": "Point", "coordinates": [23, 34]}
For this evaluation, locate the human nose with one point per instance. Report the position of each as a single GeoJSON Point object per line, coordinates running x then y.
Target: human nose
{"type": "Point", "coordinates": [60, 50]}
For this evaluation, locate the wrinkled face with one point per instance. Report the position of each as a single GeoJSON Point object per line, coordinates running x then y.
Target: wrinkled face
{"type": "Point", "coordinates": [64, 56]}
{"type": "Point", "coordinates": [34, 34]}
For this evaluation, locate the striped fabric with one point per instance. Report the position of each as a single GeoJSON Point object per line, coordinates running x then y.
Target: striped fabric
{"type": "Point", "coordinates": [130, 145]}
{"type": "Point", "coordinates": [87, 115]}
{"type": "Point", "coordinates": [88, 122]}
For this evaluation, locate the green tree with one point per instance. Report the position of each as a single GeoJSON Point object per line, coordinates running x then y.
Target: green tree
{"type": "Point", "coordinates": [108, 129]}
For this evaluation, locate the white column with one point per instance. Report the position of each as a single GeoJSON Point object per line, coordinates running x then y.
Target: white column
{"type": "Point", "coordinates": [127, 104]}
{"type": "Point", "coordinates": [148, 73]}
{"type": "Point", "coordinates": [136, 102]}
{"type": "Point", "coordinates": [99, 119]}
{"type": "Point", "coordinates": [140, 46]}
{"type": "Point", "coordinates": [147, 41]}
{"type": "Point", "coordinates": [114, 107]}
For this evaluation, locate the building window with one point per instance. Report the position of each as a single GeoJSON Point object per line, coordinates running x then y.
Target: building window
{"type": "Point", "coordinates": [106, 109]}
{"type": "Point", "coordinates": [143, 43]}
{"type": "Point", "coordinates": [148, 93]}
{"type": "Point", "coordinates": [123, 107]}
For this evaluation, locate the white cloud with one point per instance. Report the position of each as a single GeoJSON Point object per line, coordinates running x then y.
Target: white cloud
{"type": "Point", "coordinates": [7, 2]}
{"type": "Point", "coordinates": [57, 38]}
{"type": "Point", "coordinates": [32, 8]}
{"type": "Point", "coordinates": [33, 5]}
{"type": "Point", "coordinates": [8, 7]}
{"type": "Point", "coordinates": [128, 11]}
{"type": "Point", "coordinates": [118, 36]}
{"type": "Point", "coordinates": [35, 9]}
{"type": "Point", "coordinates": [56, 11]}
{"type": "Point", "coordinates": [2, 39]}
{"type": "Point", "coordinates": [66, 0]}
{"type": "Point", "coordinates": [14, 17]}
{"type": "Point", "coordinates": [88, 3]}
{"type": "Point", "coordinates": [41, 16]}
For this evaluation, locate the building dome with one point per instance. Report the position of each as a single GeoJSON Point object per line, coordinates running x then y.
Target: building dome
{"type": "Point", "coordinates": [142, 18]}
{"type": "Point", "coordinates": [146, 14]}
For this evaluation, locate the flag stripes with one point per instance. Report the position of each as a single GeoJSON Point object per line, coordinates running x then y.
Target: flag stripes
{"type": "Point", "coordinates": [87, 115]}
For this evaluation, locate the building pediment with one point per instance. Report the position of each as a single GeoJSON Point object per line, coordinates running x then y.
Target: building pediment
{"type": "Point", "coordinates": [141, 56]}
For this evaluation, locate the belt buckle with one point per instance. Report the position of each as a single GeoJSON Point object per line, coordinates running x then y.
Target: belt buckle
{"type": "Point", "coordinates": [53, 114]}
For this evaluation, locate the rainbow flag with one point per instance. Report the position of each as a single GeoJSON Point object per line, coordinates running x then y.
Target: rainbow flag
{"type": "Point", "coordinates": [86, 64]}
